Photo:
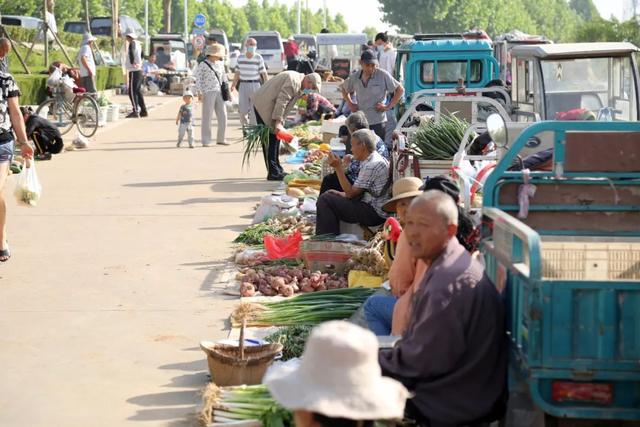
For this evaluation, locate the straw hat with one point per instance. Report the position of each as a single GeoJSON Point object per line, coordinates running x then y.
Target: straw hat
{"type": "Point", "coordinates": [338, 376]}
{"type": "Point", "coordinates": [402, 189]}
{"type": "Point", "coordinates": [216, 50]}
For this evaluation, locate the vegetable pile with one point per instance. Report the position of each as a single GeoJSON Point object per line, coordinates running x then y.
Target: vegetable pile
{"type": "Point", "coordinates": [307, 133]}
{"type": "Point", "coordinates": [303, 309]}
{"type": "Point", "coordinates": [370, 258]}
{"type": "Point", "coordinates": [246, 402]}
{"type": "Point", "coordinates": [438, 140]}
{"type": "Point", "coordinates": [293, 340]}
{"type": "Point", "coordinates": [315, 155]}
{"type": "Point", "coordinates": [286, 281]}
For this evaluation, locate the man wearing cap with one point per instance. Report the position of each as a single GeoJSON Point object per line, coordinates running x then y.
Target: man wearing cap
{"type": "Point", "coordinates": [372, 86]}
{"type": "Point", "coordinates": [452, 355]}
{"type": "Point", "coordinates": [133, 65]}
{"type": "Point", "coordinates": [250, 73]}
{"type": "Point", "coordinates": [337, 381]}
{"type": "Point", "coordinates": [210, 75]}
{"type": "Point", "coordinates": [87, 64]}
{"type": "Point", "coordinates": [272, 102]}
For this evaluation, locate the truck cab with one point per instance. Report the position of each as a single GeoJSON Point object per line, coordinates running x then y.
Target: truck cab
{"type": "Point", "coordinates": [504, 43]}
{"type": "Point", "coordinates": [440, 61]}
{"type": "Point", "coordinates": [171, 52]}
{"type": "Point", "coordinates": [575, 81]}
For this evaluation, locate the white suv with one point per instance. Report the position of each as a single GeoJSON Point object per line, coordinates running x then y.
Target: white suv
{"type": "Point", "coordinates": [271, 49]}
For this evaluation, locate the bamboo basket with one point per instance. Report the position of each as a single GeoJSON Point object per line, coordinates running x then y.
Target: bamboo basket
{"type": "Point", "coordinates": [230, 365]}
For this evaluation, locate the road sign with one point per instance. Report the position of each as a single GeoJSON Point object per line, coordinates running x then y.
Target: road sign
{"type": "Point", "coordinates": [200, 20]}
{"type": "Point", "coordinates": [199, 31]}
{"type": "Point", "coordinates": [198, 42]}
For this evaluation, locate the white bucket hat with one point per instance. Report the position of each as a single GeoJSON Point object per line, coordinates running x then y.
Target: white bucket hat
{"type": "Point", "coordinates": [339, 377]}
{"type": "Point", "coordinates": [88, 37]}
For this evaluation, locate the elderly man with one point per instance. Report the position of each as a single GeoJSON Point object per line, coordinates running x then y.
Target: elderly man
{"type": "Point", "coordinates": [5, 48]}
{"type": "Point", "coordinates": [354, 122]}
{"type": "Point", "coordinates": [152, 73]}
{"type": "Point", "coordinates": [250, 74]}
{"type": "Point", "coordinates": [372, 87]}
{"type": "Point", "coordinates": [272, 102]}
{"type": "Point", "coordinates": [362, 201]}
{"type": "Point", "coordinates": [452, 355]}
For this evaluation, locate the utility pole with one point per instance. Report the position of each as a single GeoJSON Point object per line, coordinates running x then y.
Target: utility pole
{"type": "Point", "coordinates": [186, 12]}
{"type": "Point", "coordinates": [45, 33]}
{"type": "Point", "coordinates": [146, 27]}
{"type": "Point", "coordinates": [324, 15]}
{"type": "Point", "coordinates": [306, 11]}
{"type": "Point", "coordinates": [299, 17]}
{"type": "Point", "coordinates": [86, 16]}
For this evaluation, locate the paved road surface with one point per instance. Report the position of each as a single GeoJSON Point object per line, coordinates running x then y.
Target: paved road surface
{"type": "Point", "coordinates": [112, 281]}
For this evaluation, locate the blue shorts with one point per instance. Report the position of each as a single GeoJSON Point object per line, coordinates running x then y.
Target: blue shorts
{"type": "Point", "coordinates": [6, 151]}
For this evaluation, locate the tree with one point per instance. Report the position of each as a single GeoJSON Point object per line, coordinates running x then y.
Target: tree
{"type": "Point", "coordinates": [585, 9]}
{"type": "Point", "coordinates": [370, 32]}
{"type": "Point", "coordinates": [166, 16]}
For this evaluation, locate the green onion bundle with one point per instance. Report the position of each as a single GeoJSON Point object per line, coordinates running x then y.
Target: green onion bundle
{"type": "Point", "coordinates": [254, 234]}
{"type": "Point", "coordinates": [241, 403]}
{"type": "Point", "coordinates": [255, 137]}
{"type": "Point", "coordinates": [304, 309]}
{"type": "Point", "coordinates": [438, 140]}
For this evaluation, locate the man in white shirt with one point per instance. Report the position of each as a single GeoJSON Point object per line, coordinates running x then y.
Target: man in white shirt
{"type": "Point", "coordinates": [250, 74]}
{"type": "Point", "coordinates": [87, 64]}
{"type": "Point", "coordinates": [387, 58]}
{"type": "Point", "coordinates": [133, 64]}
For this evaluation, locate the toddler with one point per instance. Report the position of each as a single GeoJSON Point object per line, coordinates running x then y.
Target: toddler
{"type": "Point", "coordinates": [185, 119]}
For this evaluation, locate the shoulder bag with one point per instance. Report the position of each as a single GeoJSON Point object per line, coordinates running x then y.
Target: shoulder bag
{"type": "Point", "coordinates": [224, 86]}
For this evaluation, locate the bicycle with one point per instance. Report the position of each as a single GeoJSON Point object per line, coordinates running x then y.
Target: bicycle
{"type": "Point", "coordinates": [81, 111]}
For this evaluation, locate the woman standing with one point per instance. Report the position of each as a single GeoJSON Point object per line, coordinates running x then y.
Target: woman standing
{"type": "Point", "coordinates": [10, 122]}
{"type": "Point", "coordinates": [210, 75]}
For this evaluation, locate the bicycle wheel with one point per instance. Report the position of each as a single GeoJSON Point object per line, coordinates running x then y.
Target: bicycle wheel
{"type": "Point", "coordinates": [86, 115]}
{"type": "Point", "coordinates": [57, 113]}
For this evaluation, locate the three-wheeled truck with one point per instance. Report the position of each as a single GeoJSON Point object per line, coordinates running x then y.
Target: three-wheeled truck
{"type": "Point", "coordinates": [563, 248]}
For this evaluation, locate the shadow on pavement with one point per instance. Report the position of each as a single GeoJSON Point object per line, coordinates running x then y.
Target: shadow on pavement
{"type": "Point", "coordinates": [238, 228]}
{"type": "Point", "coordinates": [202, 200]}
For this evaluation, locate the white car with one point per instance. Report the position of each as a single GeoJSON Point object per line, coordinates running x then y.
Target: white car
{"type": "Point", "coordinates": [271, 49]}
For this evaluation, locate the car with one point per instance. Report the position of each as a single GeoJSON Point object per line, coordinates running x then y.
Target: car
{"type": "Point", "coordinates": [28, 22]}
{"type": "Point", "coordinates": [271, 49]}
{"type": "Point", "coordinates": [76, 27]}
{"type": "Point", "coordinates": [101, 26]}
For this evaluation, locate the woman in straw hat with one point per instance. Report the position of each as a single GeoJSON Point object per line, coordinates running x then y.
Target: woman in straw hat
{"type": "Point", "coordinates": [381, 311]}
{"type": "Point", "coordinates": [210, 75]}
{"type": "Point", "coordinates": [338, 382]}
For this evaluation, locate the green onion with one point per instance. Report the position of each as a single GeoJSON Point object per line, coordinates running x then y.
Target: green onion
{"type": "Point", "coordinates": [247, 402]}
{"type": "Point", "coordinates": [438, 140]}
{"type": "Point", "coordinates": [304, 309]}
{"type": "Point", "coordinates": [255, 137]}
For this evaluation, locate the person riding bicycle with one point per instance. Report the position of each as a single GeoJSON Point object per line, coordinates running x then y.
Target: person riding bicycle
{"type": "Point", "coordinates": [43, 133]}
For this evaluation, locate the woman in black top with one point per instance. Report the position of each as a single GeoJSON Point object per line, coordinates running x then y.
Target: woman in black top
{"type": "Point", "coordinates": [10, 122]}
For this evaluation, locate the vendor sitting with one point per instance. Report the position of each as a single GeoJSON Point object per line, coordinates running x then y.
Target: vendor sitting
{"type": "Point", "coordinates": [164, 60]}
{"type": "Point", "coordinates": [362, 201]}
{"type": "Point", "coordinates": [317, 107]}
{"type": "Point", "coordinates": [354, 122]}
{"type": "Point", "coordinates": [152, 73]}
{"type": "Point", "coordinates": [43, 133]}
{"type": "Point", "coordinates": [453, 355]}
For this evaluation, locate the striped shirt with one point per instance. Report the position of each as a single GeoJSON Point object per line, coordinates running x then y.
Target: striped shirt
{"type": "Point", "coordinates": [250, 68]}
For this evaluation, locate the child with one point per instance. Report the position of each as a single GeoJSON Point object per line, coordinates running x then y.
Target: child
{"type": "Point", "coordinates": [43, 133]}
{"type": "Point", "coordinates": [185, 119]}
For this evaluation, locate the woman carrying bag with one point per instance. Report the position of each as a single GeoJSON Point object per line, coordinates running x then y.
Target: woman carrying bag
{"type": "Point", "coordinates": [10, 121]}
{"type": "Point", "coordinates": [212, 86]}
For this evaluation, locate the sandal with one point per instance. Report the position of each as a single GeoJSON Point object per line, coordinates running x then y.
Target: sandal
{"type": "Point", "coordinates": [5, 254]}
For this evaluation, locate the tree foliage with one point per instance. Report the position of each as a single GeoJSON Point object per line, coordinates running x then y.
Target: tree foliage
{"type": "Point", "coordinates": [235, 21]}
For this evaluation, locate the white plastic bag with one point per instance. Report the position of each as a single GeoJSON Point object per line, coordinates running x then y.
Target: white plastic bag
{"type": "Point", "coordinates": [273, 205]}
{"type": "Point", "coordinates": [28, 189]}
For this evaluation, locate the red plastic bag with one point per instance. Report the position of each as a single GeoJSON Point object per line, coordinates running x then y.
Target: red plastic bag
{"type": "Point", "coordinates": [283, 247]}
{"type": "Point", "coordinates": [285, 136]}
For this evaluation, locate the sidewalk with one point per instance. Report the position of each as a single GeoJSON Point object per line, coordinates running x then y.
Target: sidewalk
{"type": "Point", "coordinates": [112, 283]}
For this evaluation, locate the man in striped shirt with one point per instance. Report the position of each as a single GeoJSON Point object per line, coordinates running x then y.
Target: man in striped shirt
{"type": "Point", "coordinates": [250, 74]}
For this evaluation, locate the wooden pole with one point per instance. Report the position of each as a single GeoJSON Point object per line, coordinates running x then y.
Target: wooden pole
{"type": "Point", "coordinates": [87, 20]}
{"type": "Point", "coordinates": [115, 26]}
{"type": "Point", "coordinates": [6, 35]}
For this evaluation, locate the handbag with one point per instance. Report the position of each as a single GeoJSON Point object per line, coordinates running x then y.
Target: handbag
{"type": "Point", "coordinates": [224, 86]}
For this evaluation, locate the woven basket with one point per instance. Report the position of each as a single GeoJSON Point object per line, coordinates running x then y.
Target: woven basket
{"type": "Point", "coordinates": [228, 368]}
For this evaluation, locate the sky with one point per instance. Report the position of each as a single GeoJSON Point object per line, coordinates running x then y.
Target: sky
{"type": "Point", "coordinates": [362, 13]}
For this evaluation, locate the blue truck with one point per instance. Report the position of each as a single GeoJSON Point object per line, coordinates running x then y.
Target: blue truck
{"type": "Point", "coordinates": [569, 272]}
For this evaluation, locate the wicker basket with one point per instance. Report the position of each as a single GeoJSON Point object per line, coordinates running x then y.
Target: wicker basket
{"type": "Point", "coordinates": [227, 367]}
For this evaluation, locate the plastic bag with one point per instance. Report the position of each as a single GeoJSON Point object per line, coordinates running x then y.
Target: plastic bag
{"type": "Point", "coordinates": [271, 206]}
{"type": "Point", "coordinates": [28, 189]}
{"type": "Point", "coordinates": [283, 247]}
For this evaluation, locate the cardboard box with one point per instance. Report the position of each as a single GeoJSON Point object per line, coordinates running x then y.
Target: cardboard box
{"type": "Point", "coordinates": [327, 137]}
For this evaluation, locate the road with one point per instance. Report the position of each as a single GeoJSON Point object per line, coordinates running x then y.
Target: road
{"type": "Point", "coordinates": [113, 279]}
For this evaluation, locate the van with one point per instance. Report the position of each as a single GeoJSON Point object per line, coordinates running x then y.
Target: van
{"type": "Point", "coordinates": [76, 27]}
{"type": "Point", "coordinates": [28, 22]}
{"type": "Point", "coordinates": [102, 26]}
{"type": "Point", "coordinates": [271, 49]}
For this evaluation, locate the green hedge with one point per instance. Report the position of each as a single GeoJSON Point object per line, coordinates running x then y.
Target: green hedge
{"type": "Point", "coordinates": [34, 86]}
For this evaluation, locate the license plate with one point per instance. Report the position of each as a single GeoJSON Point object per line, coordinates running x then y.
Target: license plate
{"type": "Point", "coordinates": [267, 57]}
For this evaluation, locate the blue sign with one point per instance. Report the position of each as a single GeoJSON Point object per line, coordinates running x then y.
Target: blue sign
{"type": "Point", "coordinates": [199, 31]}
{"type": "Point", "coordinates": [200, 20]}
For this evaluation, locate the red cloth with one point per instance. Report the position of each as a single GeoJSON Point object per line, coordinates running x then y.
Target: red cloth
{"type": "Point", "coordinates": [290, 49]}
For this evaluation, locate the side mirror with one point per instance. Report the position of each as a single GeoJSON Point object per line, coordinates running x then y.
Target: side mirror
{"type": "Point", "coordinates": [497, 129]}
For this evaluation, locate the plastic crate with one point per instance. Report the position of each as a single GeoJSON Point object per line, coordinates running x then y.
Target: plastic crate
{"type": "Point", "coordinates": [591, 260]}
